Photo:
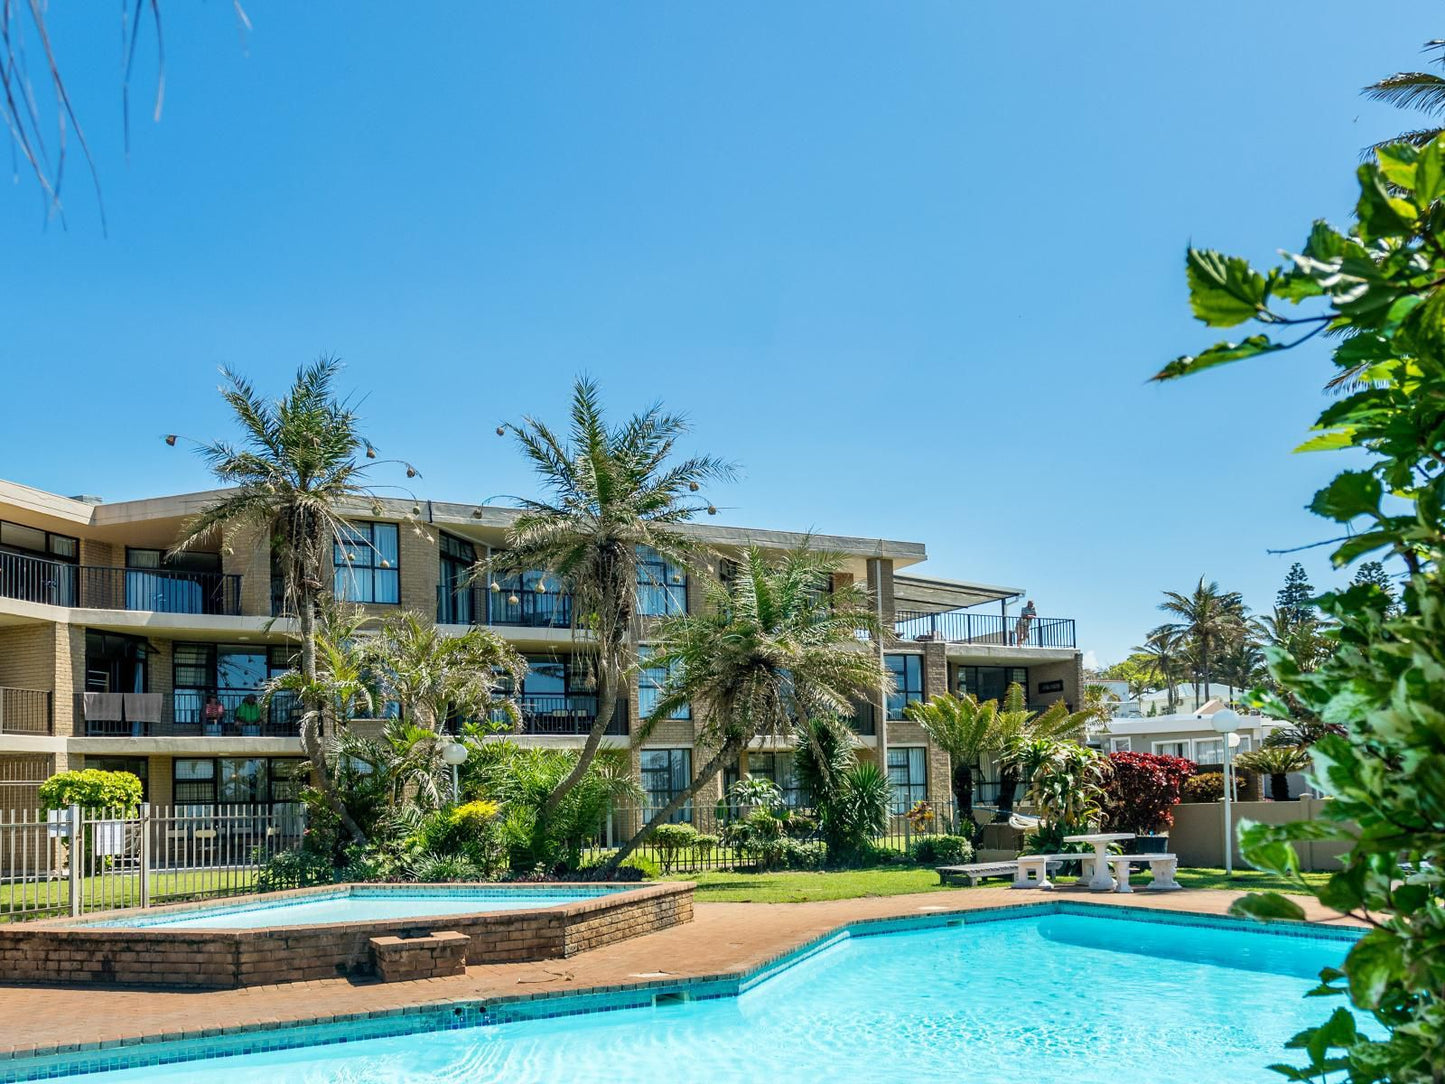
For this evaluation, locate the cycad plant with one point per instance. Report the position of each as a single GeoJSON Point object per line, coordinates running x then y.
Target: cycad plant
{"type": "Point", "coordinates": [609, 493]}
{"type": "Point", "coordinates": [965, 730]}
{"type": "Point", "coordinates": [291, 478]}
{"type": "Point", "coordinates": [768, 650]}
{"type": "Point", "coordinates": [1277, 762]}
{"type": "Point", "coordinates": [1016, 722]}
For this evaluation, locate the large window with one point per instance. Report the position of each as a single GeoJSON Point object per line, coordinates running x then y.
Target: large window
{"type": "Point", "coordinates": [455, 605]}
{"type": "Point", "coordinates": [38, 566]}
{"type": "Point", "coordinates": [991, 682]}
{"type": "Point", "coordinates": [218, 687]}
{"type": "Point", "coordinates": [367, 557]}
{"type": "Point", "coordinates": [908, 772]}
{"type": "Point", "coordinates": [650, 680]}
{"type": "Point", "coordinates": [666, 772]}
{"type": "Point", "coordinates": [238, 780]}
{"type": "Point", "coordinates": [777, 767]}
{"type": "Point", "coordinates": [907, 671]}
{"type": "Point", "coordinates": [661, 586]}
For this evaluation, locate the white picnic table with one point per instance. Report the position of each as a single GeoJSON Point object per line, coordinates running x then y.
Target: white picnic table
{"type": "Point", "coordinates": [1101, 881]}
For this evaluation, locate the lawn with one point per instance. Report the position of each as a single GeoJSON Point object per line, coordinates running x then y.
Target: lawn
{"type": "Point", "coordinates": [123, 890]}
{"type": "Point", "coordinates": [799, 887]}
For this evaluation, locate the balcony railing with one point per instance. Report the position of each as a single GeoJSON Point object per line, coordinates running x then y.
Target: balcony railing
{"type": "Point", "coordinates": [36, 579]}
{"type": "Point", "coordinates": [26, 711]}
{"type": "Point", "coordinates": [478, 606]}
{"type": "Point", "coordinates": [183, 715]}
{"type": "Point", "coordinates": [963, 627]}
{"type": "Point", "coordinates": [567, 716]}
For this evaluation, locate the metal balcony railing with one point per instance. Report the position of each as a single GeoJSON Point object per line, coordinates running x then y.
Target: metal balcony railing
{"type": "Point", "coordinates": [183, 714]}
{"type": "Point", "coordinates": [566, 715]}
{"type": "Point", "coordinates": [964, 627]}
{"type": "Point", "coordinates": [56, 583]}
{"type": "Point", "coordinates": [478, 606]}
{"type": "Point", "coordinates": [26, 711]}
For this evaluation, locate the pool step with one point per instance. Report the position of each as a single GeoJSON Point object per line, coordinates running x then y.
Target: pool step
{"type": "Point", "coordinates": [428, 956]}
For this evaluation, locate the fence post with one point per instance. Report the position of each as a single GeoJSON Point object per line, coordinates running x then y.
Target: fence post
{"type": "Point", "coordinates": [145, 854]}
{"type": "Point", "coordinates": [77, 849]}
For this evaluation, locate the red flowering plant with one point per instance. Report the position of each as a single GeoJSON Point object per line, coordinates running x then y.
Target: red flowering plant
{"type": "Point", "coordinates": [1143, 790]}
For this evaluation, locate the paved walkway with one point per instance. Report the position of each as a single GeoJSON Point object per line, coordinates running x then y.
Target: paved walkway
{"type": "Point", "coordinates": [723, 938]}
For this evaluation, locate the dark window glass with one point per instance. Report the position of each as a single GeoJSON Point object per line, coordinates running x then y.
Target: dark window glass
{"type": "Point", "coordinates": [665, 772]}
{"type": "Point", "coordinates": [650, 680]}
{"type": "Point", "coordinates": [907, 671]}
{"type": "Point", "coordinates": [244, 781]}
{"type": "Point", "coordinates": [194, 781]}
{"type": "Point", "coordinates": [991, 682]}
{"type": "Point", "coordinates": [908, 772]}
{"type": "Point", "coordinates": [661, 586]}
{"type": "Point", "coordinates": [367, 559]}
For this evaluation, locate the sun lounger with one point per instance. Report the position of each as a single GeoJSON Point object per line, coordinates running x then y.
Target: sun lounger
{"type": "Point", "coordinates": [975, 872]}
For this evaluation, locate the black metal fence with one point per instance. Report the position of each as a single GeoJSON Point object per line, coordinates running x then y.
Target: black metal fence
{"type": "Point", "coordinates": [189, 713]}
{"type": "Point", "coordinates": [522, 608]}
{"type": "Point", "coordinates": [57, 583]}
{"type": "Point", "coordinates": [26, 711]}
{"type": "Point", "coordinates": [963, 627]}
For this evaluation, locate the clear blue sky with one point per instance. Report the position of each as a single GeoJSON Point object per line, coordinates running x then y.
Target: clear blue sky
{"type": "Point", "coordinates": [908, 264]}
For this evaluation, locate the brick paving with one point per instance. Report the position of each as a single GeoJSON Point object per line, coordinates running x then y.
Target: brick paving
{"type": "Point", "coordinates": [724, 938]}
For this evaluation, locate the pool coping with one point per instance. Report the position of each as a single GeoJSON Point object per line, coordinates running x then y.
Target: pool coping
{"type": "Point", "coordinates": [60, 1060]}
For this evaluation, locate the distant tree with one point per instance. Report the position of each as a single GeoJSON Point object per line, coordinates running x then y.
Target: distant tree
{"type": "Point", "coordinates": [1423, 92]}
{"type": "Point", "coordinates": [1296, 597]}
{"type": "Point", "coordinates": [1208, 618]}
{"type": "Point", "coordinates": [1373, 572]}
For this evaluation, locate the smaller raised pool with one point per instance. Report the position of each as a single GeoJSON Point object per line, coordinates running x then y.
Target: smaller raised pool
{"type": "Point", "coordinates": [360, 903]}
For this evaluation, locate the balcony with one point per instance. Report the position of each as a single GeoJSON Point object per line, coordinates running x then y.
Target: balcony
{"type": "Point", "coordinates": [55, 583]}
{"type": "Point", "coordinates": [26, 711]}
{"type": "Point", "coordinates": [153, 715]}
{"type": "Point", "coordinates": [478, 606]}
{"type": "Point", "coordinates": [966, 627]}
{"type": "Point", "coordinates": [567, 716]}
{"type": "Point", "coordinates": [864, 720]}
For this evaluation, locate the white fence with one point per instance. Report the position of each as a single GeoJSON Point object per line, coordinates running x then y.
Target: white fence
{"type": "Point", "coordinates": [74, 861]}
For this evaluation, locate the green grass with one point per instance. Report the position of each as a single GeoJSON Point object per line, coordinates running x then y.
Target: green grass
{"type": "Point", "coordinates": [103, 893]}
{"type": "Point", "coordinates": [793, 887]}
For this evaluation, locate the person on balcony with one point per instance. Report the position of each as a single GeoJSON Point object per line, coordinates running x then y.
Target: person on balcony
{"type": "Point", "coordinates": [1026, 618]}
{"type": "Point", "coordinates": [248, 716]}
{"type": "Point", "coordinates": [212, 714]}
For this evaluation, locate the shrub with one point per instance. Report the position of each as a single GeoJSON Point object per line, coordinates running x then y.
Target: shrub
{"type": "Point", "coordinates": [1208, 787]}
{"type": "Point", "coordinates": [1142, 791]}
{"type": "Point", "coordinates": [753, 831]}
{"type": "Point", "coordinates": [471, 833]}
{"type": "Point", "coordinates": [671, 839]}
{"type": "Point", "coordinates": [637, 867]}
{"type": "Point", "coordinates": [800, 825]}
{"type": "Point", "coordinates": [298, 868]}
{"type": "Point", "coordinates": [941, 850]}
{"type": "Point", "coordinates": [91, 789]}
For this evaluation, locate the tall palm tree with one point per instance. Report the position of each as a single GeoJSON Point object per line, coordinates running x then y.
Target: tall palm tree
{"type": "Point", "coordinates": [1208, 618]}
{"type": "Point", "coordinates": [1241, 663]}
{"type": "Point", "coordinates": [434, 676]}
{"type": "Point", "coordinates": [768, 652]}
{"type": "Point", "coordinates": [965, 730]}
{"type": "Point", "coordinates": [609, 493]}
{"type": "Point", "coordinates": [1017, 722]}
{"type": "Point", "coordinates": [294, 471]}
{"type": "Point", "coordinates": [1164, 648]}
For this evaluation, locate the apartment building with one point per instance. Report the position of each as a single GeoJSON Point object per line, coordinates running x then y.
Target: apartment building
{"type": "Point", "coordinates": [114, 655]}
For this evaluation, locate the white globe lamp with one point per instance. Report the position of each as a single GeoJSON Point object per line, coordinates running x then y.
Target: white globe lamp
{"type": "Point", "coordinates": [455, 755]}
{"type": "Point", "coordinates": [1225, 722]}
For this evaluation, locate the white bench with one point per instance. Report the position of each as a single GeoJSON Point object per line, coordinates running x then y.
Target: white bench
{"type": "Point", "coordinates": [974, 872]}
{"type": "Point", "coordinates": [1032, 870]}
{"type": "Point", "coordinates": [1162, 866]}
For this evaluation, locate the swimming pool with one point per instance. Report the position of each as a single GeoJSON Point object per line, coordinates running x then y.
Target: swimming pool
{"type": "Point", "coordinates": [1063, 993]}
{"type": "Point", "coordinates": [360, 903]}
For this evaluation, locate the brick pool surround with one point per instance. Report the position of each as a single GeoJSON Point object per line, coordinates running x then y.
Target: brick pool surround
{"type": "Point", "coordinates": [77, 950]}
{"type": "Point", "coordinates": [43, 1062]}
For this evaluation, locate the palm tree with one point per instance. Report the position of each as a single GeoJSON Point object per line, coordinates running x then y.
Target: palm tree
{"type": "Point", "coordinates": [1209, 617]}
{"type": "Point", "coordinates": [1277, 762]}
{"type": "Point", "coordinates": [768, 652]}
{"type": "Point", "coordinates": [610, 493]}
{"type": "Point", "coordinates": [1422, 91]}
{"type": "Point", "coordinates": [1164, 648]}
{"type": "Point", "coordinates": [965, 730]}
{"type": "Point", "coordinates": [434, 676]}
{"type": "Point", "coordinates": [1241, 663]}
{"type": "Point", "coordinates": [1017, 723]}
{"type": "Point", "coordinates": [292, 475]}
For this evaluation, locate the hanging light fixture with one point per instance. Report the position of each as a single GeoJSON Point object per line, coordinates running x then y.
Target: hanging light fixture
{"type": "Point", "coordinates": [513, 600]}
{"type": "Point", "coordinates": [542, 586]}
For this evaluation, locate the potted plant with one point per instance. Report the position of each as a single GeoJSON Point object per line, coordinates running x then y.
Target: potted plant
{"type": "Point", "coordinates": [1140, 796]}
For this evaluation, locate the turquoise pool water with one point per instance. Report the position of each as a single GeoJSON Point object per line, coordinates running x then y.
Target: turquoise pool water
{"type": "Point", "coordinates": [1061, 997]}
{"type": "Point", "coordinates": [364, 905]}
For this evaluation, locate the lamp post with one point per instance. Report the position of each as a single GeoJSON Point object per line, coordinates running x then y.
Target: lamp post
{"type": "Point", "coordinates": [1224, 723]}
{"type": "Point", "coordinates": [455, 754]}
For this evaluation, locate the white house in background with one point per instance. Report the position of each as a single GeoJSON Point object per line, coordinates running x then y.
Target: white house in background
{"type": "Point", "coordinates": [1157, 701]}
{"type": "Point", "coordinates": [1183, 734]}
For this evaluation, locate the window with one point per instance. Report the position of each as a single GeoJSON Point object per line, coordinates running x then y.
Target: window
{"type": "Point", "coordinates": [32, 540]}
{"type": "Point", "coordinates": [115, 663]}
{"type": "Point", "coordinates": [1208, 751]}
{"type": "Point", "coordinates": [1172, 748]}
{"type": "Point", "coordinates": [1119, 745]}
{"type": "Point", "coordinates": [991, 682]}
{"type": "Point", "coordinates": [239, 780]}
{"type": "Point", "coordinates": [137, 766]}
{"type": "Point", "coordinates": [194, 781]}
{"type": "Point", "coordinates": [777, 767]}
{"type": "Point", "coordinates": [650, 680]}
{"type": "Point", "coordinates": [230, 673]}
{"type": "Point", "coordinates": [907, 671]}
{"type": "Point", "coordinates": [38, 566]}
{"type": "Point", "coordinates": [366, 556]}
{"type": "Point", "coordinates": [665, 772]}
{"type": "Point", "coordinates": [908, 772]}
{"type": "Point", "coordinates": [532, 599]}
{"type": "Point", "coordinates": [457, 558]}
{"type": "Point", "coordinates": [661, 586]}
{"type": "Point", "coordinates": [244, 781]}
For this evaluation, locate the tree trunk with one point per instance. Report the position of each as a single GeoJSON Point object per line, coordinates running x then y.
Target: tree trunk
{"type": "Point", "coordinates": [1008, 781]}
{"type": "Point", "coordinates": [606, 707]}
{"type": "Point", "coordinates": [963, 792]}
{"type": "Point", "coordinates": [1279, 787]}
{"type": "Point", "coordinates": [724, 755]}
{"type": "Point", "coordinates": [311, 737]}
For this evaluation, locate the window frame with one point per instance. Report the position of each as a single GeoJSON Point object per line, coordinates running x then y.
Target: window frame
{"type": "Point", "coordinates": [651, 679]}
{"type": "Point", "coordinates": [360, 565]}
{"type": "Point", "coordinates": [674, 754]}
{"type": "Point", "coordinates": [911, 790]}
{"type": "Point", "coordinates": [673, 590]}
{"type": "Point", "coordinates": [903, 693]}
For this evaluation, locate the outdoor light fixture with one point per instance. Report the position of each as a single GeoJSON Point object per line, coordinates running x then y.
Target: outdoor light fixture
{"type": "Point", "coordinates": [1224, 723]}
{"type": "Point", "coordinates": [454, 754]}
